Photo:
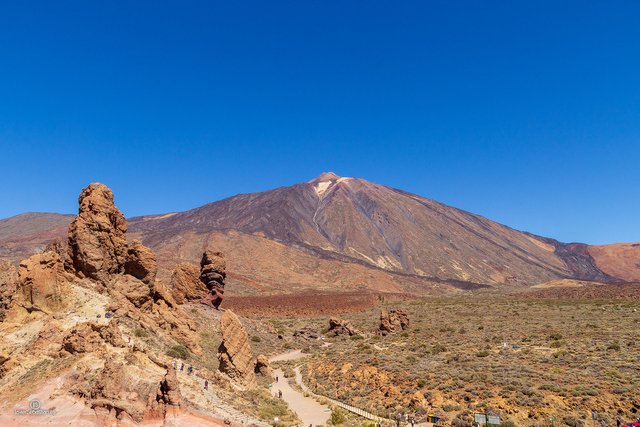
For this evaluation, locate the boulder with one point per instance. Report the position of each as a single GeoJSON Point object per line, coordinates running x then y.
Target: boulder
{"type": "Point", "coordinates": [234, 353]}
{"type": "Point", "coordinates": [342, 327]}
{"type": "Point", "coordinates": [97, 247]}
{"type": "Point", "coordinates": [306, 334]}
{"type": "Point", "coordinates": [185, 284]}
{"type": "Point", "coordinates": [141, 262]}
{"type": "Point", "coordinates": [42, 285]}
{"type": "Point", "coordinates": [392, 321]}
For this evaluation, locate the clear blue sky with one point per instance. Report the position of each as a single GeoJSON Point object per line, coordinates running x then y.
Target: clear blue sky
{"type": "Point", "coordinates": [525, 112]}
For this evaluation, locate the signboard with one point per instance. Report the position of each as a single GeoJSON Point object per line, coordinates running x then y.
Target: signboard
{"type": "Point", "coordinates": [486, 419]}
{"type": "Point", "coordinates": [494, 419]}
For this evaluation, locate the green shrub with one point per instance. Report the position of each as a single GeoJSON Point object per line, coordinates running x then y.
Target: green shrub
{"type": "Point", "coordinates": [178, 352]}
{"type": "Point", "coordinates": [483, 353]}
{"type": "Point", "coordinates": [337, 417]}
{"type": "Point", "coordinates": [256, 339]}
{"type": "Point", "coordinates": [140, 333]}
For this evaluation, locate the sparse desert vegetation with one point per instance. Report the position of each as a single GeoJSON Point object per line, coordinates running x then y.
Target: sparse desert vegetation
{"type": "Point", "coordinates": [526, 359]}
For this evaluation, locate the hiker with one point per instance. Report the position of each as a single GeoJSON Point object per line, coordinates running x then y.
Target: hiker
{"type": "Point", "coordinates": [413, 422]}
{"type": "Point", "coordinates": [603, 422]}
{"type": "Point", "coordinates": [182, 367]}
{"type": "Point", "coordinates": [280, 394]}
{"type": "Point", "coordinates": [618, 422]}
{"type": "Point", "coordinates": [206, 384]}
{"type": "Point", "coordinates": [190, 370]}
{"type": "Point", "coordinates": [276, 378]}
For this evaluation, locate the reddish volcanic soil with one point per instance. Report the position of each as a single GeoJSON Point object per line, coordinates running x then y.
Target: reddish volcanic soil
{"type": "Point", "coordinates": [626, 291]}
{"type": "Point", "coordinates": [308, 303]}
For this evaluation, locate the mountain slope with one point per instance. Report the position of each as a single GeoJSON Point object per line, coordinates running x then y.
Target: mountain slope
{"type": "Point", "coordinates": [355, 220]}
{"type": "Point", "coordinates": [346, 233]}
{"type": "Point", "coordinates": [23, 235]}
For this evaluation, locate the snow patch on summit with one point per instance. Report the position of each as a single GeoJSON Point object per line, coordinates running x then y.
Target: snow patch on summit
{"type": "Point", "coordinates": [322, 187]}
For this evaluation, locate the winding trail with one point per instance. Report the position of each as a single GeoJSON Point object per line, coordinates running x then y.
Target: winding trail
{"type": "Point", "coordinates": [310, 412]}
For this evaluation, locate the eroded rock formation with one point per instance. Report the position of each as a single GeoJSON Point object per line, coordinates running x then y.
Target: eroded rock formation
{"type": "Point", "coordinates": [97, 245]}
{"type": "Point", "coordinates": [262, 366]}
{"type": "Point", "coordinates": [8, 279]}
{"type": "Point", "coordinates": [392, 321]}
{"type": "Point", "coordinates": [342, 327]}
{"type": "Point", "coordinates": [42, 285]}
{"type": "Point", "coordinates": [306, 334]}
{"type": "Point", "coordinates": [212, 274]}
{"type": "Point", "coordinates": [185, 283]}
{"type": "Point", "coordinates": [141, 262]}
{"type": "Point", "coordinates": [234, 353]}
{"type": "Point", "coordinates": [90, 337]}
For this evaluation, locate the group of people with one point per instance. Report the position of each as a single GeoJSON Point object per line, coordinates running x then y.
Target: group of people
{"type": "Point", "coordinates": [402, 418]}
{"type": "Point", "coordinates": [189, 371]}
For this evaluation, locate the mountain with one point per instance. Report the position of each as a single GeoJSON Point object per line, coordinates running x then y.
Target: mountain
{"type": "Point", "coordinates": [336, 233]}
{"type": "Point", "coordinates": [23, 235]}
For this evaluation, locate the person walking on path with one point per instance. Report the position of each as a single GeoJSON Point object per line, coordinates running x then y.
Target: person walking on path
{"type": "Point", "coordinates": [276, 378]}
{"type": "Point", "coordinates": [280, 394]}
{"type": "Point", "coordinates": [190, 370]}
{"type": "Point", "coordinates": [182, 367]}
{"type": "Point", "coordinates": [206, 384]}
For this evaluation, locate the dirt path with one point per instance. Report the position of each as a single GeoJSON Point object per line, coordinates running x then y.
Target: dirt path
{"type": "Point", "coordinates": [289, 355]}
{"type": "Point", "coordinates": [309, 411]}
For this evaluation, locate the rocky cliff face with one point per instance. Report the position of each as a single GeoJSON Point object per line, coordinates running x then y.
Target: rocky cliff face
{"type": "Point", "coordinates": [234, 353]}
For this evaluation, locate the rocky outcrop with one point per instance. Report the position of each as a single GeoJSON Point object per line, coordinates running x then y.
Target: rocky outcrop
{"type": "Point", "coordinates": [342, 327]}
{"type": "Point", "coordinates": [393, 321]}
{"type": "Point", "coordinates": [97, 247]}
{"type": "Point", "coordinates": [91, 337]}
{"type": "Point", "coordinates": [110, 394]}
{"type": "Point", "coordinates": [42, 285]}
{"type": "Point", "coordinates": [185, 283]}
{"type": "Point", "coordinates": [169, 390]}
{"type": "Point", "coordinates": [234, 353]}
{"type": "Point", "coordinates": [213, 273]}
{"type": "Point", "coordinates": [135, 290]}
{"type": "Point", "coordinates": [141, 262]}
{"type": "Point", "coordinates": [262, 366]}
{"type": "Point", "coordinates": [306, 334]}
{"type": "Point", "coordinates": [8, 279]}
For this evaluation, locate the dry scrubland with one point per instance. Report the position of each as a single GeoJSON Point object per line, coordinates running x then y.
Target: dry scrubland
{"type": "Point", "coordinates": [526, 359]}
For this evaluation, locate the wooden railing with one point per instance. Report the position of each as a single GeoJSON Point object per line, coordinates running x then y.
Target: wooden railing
{"type": "Point", "coordinates": [352, 409]}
